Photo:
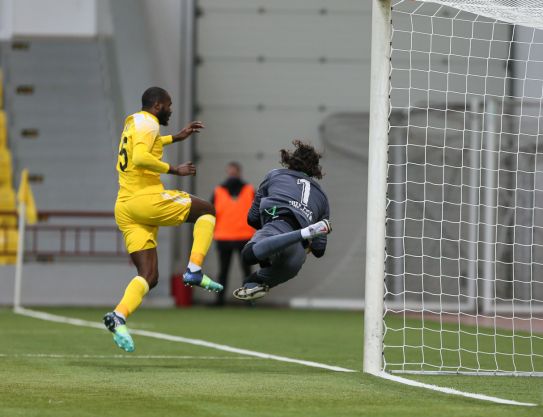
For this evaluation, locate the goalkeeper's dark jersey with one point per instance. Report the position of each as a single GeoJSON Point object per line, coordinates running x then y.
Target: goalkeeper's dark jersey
{"type": "Point", "coordinates": [285, 192]}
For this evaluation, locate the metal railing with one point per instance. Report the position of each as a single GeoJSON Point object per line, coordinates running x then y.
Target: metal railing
{"type": "Point", "coordinates": [89, 234]}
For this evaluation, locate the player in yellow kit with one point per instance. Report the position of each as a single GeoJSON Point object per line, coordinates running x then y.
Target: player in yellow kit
{"type": "Point", "coordinates": [143, 205]}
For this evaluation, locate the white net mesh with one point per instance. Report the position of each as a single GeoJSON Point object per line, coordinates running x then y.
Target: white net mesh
{"type": "Point", "coordinates": [520, 12]}
{"type": "Point", "coordinates": [464, 257]}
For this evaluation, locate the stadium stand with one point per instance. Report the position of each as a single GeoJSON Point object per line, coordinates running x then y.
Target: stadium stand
{"type": "Point", "coordinates": [62, 98]}
{"type": "Point", "coordinates": [70, 116]}
{"type": "Point", "coordinates": [8, 230]}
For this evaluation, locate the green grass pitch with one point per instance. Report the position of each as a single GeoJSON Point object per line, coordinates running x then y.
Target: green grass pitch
{"type": "Point", "coordinates": [52, 369]}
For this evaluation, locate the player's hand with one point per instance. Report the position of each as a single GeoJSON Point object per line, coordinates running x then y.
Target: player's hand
{"type": "Point", "coordinates": [184, 170]}
{"type": "Point", "coordinates": [188, 130]}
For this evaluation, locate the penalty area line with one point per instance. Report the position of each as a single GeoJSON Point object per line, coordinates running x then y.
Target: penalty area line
{"type": "Point", "coordinates": [172, 338]}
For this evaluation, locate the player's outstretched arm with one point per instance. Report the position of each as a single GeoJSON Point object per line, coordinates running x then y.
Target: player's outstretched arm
{"type": "Point", "coordinates": [189, 129]}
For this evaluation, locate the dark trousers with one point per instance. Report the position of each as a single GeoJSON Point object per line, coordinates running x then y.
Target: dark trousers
{"type": "Point", "coordinates": [285, 258]}
{"type": "Point", "coordinates": [226, 248]}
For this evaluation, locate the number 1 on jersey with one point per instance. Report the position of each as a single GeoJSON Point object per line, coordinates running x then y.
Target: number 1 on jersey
{"type": "Point", "coordinates": [306, 189]}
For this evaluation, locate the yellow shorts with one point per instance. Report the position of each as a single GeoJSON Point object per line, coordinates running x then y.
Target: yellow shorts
{"type": "Point", "coordinates": [140, 217]}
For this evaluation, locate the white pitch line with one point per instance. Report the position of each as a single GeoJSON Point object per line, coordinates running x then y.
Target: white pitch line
{"type": "Point", "coordinates": [452, 391]}
{"type": "Point", "coordinates": [163, 336]}
{"type": "Point", "coordinates": [128, 356]}
{"type": "Point", "coordinates": [172, 338]}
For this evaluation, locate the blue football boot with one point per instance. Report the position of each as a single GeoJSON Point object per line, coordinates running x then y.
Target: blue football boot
{"type": "Point", "coordinates": [199, 279]}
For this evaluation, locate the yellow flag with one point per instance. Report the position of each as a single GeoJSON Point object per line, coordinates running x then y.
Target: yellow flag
{"type": "Point", "coordinates": [24, 195]}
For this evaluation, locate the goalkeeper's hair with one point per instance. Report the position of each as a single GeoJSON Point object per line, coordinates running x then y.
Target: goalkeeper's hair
{"type": "Point", "coordinates": [153, 95]}
{"type": "Point", "coordinates": [303, 158]}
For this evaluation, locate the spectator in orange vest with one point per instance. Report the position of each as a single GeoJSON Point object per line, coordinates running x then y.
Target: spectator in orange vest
{"type": "Point", "coordinates": [232, 200]}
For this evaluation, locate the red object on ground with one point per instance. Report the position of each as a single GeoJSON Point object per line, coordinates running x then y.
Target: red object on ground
{"type": "Point", "coordinates": [182, 295]}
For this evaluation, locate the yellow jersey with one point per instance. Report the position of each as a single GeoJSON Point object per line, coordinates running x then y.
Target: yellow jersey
{"type": "Point", "coordinates": [139, 160]}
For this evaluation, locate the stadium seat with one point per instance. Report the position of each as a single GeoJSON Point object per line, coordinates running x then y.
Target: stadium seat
{"type": "Point", "coordinates": [8, 245]}
{"type": "Point", "coordinates": [8, 220]}
{"type": "Point", "coordinates": [6, 178]}
{"type": "Point", "coordinates": [5, 168]}
{"type": "Point", "coordinates": [7, 203]}
{"type": "Point", "coordinates": [1, 89]}
{"type": "Point", "coordinates": [7, 198]}
{"type": "Point", "coordinates": [3, 130]}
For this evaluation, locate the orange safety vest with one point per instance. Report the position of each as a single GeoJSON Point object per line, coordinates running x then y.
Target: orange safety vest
{"type": "Point", "coordinates": [231, 213]}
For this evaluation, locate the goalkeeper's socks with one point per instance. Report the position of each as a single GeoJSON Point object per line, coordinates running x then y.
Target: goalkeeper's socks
{"type": "Point", "coordinates": [274, 244]}
{"type": "Point", "coordinates": [317, 229]}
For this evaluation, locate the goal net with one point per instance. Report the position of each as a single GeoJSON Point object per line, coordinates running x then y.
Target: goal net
{"type": "Point", "coordinates": [464, 214]}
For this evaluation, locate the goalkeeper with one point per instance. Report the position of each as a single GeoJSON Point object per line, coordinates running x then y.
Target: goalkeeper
{"type": "Point", "coordinates": [290, 212]}
{"type": "Point", "coordinates": [143, 205]}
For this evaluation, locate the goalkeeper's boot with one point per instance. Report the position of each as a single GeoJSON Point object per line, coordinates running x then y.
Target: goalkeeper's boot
{"type": "Point", "coordinates": [319, 229]}
{"type": "Point", "coordinates": [117, 325]}
{"type": "Point", "coordinates": [251, 291]}
{"type": "Point", "coordinates": [199, 279]}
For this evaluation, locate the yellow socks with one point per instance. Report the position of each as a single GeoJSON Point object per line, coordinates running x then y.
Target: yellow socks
{"type": "Point", "coordinates": [133, 295]}
{"type": "Point", "coordinates": [138, 287]}
{"type": "Point", "coordinates": [203, 236]}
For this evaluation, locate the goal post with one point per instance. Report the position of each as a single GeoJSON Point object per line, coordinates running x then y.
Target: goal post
{"type": "Point", "coordinates": [454, 261]}
{"type": "Point", "coordinates": [377, 186]}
